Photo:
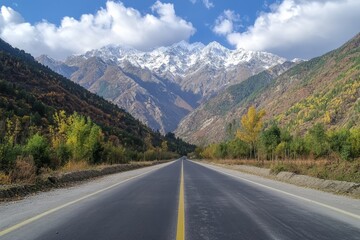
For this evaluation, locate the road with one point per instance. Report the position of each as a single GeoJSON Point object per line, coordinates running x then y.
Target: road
{"type": "Point", "coordinates": [214, 203]}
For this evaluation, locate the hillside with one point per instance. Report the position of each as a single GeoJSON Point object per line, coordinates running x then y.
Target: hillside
{"type": "Point", "coordinates": [325, 89]}
{"type": "Point", "coordinates": [162, 86]}
{"type": "Point", "coordinates": [34, 92]}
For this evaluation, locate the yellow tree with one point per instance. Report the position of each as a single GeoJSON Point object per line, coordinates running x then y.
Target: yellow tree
{"type": "Point", "coordinates": [251, 125]}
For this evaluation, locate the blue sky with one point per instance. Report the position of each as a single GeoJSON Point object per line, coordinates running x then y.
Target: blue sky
{"type": "Point", "coordinates": [197, 12]}
{"type": "Point", "coordinates": [290, 28]}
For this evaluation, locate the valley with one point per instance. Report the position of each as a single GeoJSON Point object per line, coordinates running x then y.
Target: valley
{"type": "Point", "coordinates": [164, 85]}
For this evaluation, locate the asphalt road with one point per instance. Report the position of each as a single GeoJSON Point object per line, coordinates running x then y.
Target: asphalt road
{"type": "Point", "coordinates": [216, 206]}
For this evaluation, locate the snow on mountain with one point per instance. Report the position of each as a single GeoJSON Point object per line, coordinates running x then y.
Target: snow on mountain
{"type": "Point", "coordinates": [180, 57]}
{"type": "Point", "coordinates": [160, 87]}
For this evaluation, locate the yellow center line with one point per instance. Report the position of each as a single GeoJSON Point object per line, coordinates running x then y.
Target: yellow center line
{"type": "Point", "coordinates": [41, 215]}
{"type": "Point", "coordinates": [180, 233]}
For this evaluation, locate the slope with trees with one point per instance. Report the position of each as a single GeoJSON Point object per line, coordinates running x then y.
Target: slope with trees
{"type": "Point", "coordinates": [323, 90]}
{"type": "Point", "coordinates": [47, 121]}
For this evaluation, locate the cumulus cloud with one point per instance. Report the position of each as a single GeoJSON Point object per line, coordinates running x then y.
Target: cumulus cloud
{"type": "Point", "coordinates": [224, 24]}
{"type": "Point", "coordinates": [115, 24]}
{"type": "Point", "coordinates": [301, 28]}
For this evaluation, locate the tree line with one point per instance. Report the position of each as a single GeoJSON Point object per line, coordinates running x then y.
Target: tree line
{"type": "Point", "coordinates": [254, 141]}
{"type": "Point", "coordinates": [71, 138]}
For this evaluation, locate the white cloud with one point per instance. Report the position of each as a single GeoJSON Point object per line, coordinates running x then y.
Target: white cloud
{"type": "Point", "coordinates": [115, 24]}
{"type": "Point", "coordinates": [224, 24]}
{"type": "Point", "coordinates": [207, 3]}
{"type": "Point", "coordinates": [301, 28]}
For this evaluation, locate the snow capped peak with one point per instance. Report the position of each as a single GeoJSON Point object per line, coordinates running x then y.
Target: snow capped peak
{"type": "Point", "coordinates": [182, 44]}
{"type": "Point", "coordinates": [178, 58]}
{"type": "Point", "coordinates": [215, 45]}
{"type": "Point", "coordinates": [298, 60]}
{"type": "Point", "coordinates": [189, 47]}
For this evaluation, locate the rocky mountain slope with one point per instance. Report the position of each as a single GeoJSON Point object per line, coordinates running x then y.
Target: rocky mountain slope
{"type": "Point", "coordinates": [325, 89]}
{"type": "Point", "coordinates": [33, 93]}
{"type": "Point", "coordinates": [162, 86]}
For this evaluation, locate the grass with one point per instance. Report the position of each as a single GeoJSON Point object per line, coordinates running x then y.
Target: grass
{"type": "Point", "coordinates": [73, 166]}
{"type": "Point", "coordinates": [25, 171]}
{"type": "Point", "coordinates": [321, 168]}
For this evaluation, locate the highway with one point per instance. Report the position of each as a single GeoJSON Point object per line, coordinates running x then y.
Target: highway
{"type": "Point", "coordinates": [181, 200]}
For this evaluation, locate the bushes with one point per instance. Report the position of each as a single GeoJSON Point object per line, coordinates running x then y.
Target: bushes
{"type": "Point", "coordinates": [316, 141]}
{"type": "Point", "coordinates": [237, 149]}
{"type": "Point", "coordinates": [8, 155]}
{"type": "Point", "coordinates": [112, 154]}
{"type": "Point", "coordinates": [276, 143]}
{"type": "Point", "coordinates": [24, 170]}
{"type": "Point", "coordinates": [37, 147]}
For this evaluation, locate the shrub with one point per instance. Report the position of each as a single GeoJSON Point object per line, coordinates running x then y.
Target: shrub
{"type": "Point", "coordinates": [4, 178]}
{"type": "Point", "coordinates": [62, 154]}
{"type": "Point", "coordinates": [339, 142]}
{"type": "Point", "coordinates": [8, 155]}
{"type": "Point", "coordinates": [72, 166]}
{"type": "Point", "coordinates": [37, 146]}
{"type": "Point", "coordinates": [113, 154]}
{"type": "Point", "coordinates": [238, 149]}
{"type": "Point", "coordinates": [24, 170]}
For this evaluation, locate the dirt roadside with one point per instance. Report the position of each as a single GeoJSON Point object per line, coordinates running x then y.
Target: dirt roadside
{"type": "Point", "coordinates": [58, 180]}
{"type": "Point", "coordinates": [338, 187]}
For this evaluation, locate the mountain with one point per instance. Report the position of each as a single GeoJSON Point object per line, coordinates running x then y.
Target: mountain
{"type": "Point", "coordinates": [162, 86]}
{"type": "Point", "coordinates": [33, 92]}
{"type": "Point", "coordinates": [325, 89]}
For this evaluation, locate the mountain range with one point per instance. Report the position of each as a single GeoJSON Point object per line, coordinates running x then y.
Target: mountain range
{"type": "Point", "coordinates": [325, 89]}
{"type": "Point", "coordinates": [32, 93]}
{"type": "Point", "coordinates": [162, 86]}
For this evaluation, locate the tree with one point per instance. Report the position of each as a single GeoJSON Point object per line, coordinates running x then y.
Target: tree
{"type": "Point", "coordinates": [317, 141]}
{"type": "Point", "coordinates": [339, 142]}
{"type": "Point", "coordinates": [238, 149]}
{"type": "Point", "coordinates": [270, 138]}
{"type": "Point", "coordinates": [164, 146]}
{"type": "Point", "coordinates": [251, 125]}
{"type": "Point", "coordinates": [354, 140]}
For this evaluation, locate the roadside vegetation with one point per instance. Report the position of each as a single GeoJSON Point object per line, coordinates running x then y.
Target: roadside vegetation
{"type": "Point", "coordinates": [71, 142]}
{"type": "Point", "coordinates": [329, 154]}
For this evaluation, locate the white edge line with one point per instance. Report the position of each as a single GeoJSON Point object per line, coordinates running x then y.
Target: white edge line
{"type": "Point", "coordinates": [283, 192]}
{"type": "Point", "coordinates": [41, 215]}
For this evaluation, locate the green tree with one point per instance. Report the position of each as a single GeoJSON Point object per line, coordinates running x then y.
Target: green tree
{"type": "Point", "coordinates": [270, 138]}
{"type": "Point", "coordinates": [317, 141]}
{"type": "Point", "coordinates": [83, 138]}
{"type": "Point", "coordinates": [37, 146]}
{"type": "Point", "coordinates": [297, 147]}
{"type": "Point", "coordinates": [237, 149]}
{"type": "Point", "coordinates": [354, 141]}
{"type": "Point", "coordinates": [339, 142]}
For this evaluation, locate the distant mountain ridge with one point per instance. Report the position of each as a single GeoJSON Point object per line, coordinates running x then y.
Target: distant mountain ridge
{"type": "Point", "coordinates": [325, 90]}
{"type": "Point", "coordinates": [34, 93]}
{"type": "Point", "coordinates": [162, 86]}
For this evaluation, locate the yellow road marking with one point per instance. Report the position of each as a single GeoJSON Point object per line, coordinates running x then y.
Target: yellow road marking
{"type": "Point", "coordinates": [37, 217]}
{"type": "Point", "coordinates": [180, 233]}
{"type": "Point", "coordinates": [290, 194]}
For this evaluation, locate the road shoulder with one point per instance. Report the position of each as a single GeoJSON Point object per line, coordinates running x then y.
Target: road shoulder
{"type": "Point", "coordinates": [319, 200]}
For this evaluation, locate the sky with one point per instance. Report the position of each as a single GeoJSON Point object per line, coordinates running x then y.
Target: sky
{"type": "Point", "coordinates": [289, 28]}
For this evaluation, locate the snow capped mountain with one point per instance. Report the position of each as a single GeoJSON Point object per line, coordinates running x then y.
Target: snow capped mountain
{"type": "Point", "coordinates": [180, 57]}
{"type": "Point", "coordinates": [160, 87]}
